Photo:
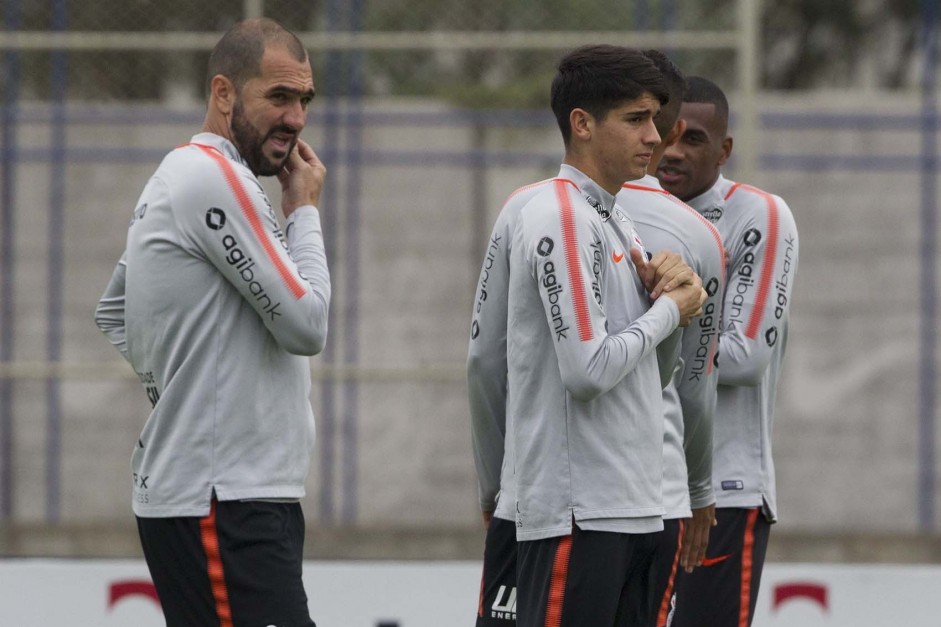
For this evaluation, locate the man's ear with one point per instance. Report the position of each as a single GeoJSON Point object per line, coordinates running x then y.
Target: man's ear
{"type": "Point", "coordinates": [582, 124]}
{"type": "Point", "coordinates": [726, 150]}
{"type": "Point", "coordinates": [222, 93]}
{"type": "Point", "coordinates": [675, 133]}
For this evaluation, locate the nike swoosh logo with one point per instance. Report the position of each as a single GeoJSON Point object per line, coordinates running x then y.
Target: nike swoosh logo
{"type": "Point", "coordinates": [617, 257]}
{"type": "Point", "coordinates": [712, 561]}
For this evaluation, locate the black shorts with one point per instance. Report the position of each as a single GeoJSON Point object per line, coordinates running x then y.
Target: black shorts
{"type": "Point", "coordinates": [666, 566]}
{"type": "Point", "coordinates": [592, 578]}
{"type": "Point", "coordinates": [723, 591]}
{"type": "Point", "coordinates": [497, 606]}
{"type": "Point", "coordinates": [240, 565]}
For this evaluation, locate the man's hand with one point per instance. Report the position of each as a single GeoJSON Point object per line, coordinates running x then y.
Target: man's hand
{"type": "Point", "coordinates": [689, 298]}
{"type": "Point", "coordinates": [696, 537]}
{"type": "Point", "coordinates": [667, 274]}
{"type": "Point", "coordinates": [487, 517]}
{"type": "Point", "coordinates": [301, 178]}
{"type": "Point", "coordinates": [664, 272]}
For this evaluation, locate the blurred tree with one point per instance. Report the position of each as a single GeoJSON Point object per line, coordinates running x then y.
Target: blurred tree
{"type": "Point", "coordinates": [499, 78]}
{"type": "Point", "coordinates": [839, 43]}
{"type": "Point", "coordinates": [805, 44]}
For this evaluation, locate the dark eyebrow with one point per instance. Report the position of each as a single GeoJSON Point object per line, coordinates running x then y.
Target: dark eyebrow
{"type": "Point", "coordinates": [284, 89]}
{"type": "Point", "coordinates": [641, 111]}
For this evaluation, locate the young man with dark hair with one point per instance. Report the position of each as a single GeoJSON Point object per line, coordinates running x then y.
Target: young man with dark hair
{"type": "Point", "coordinates": [218, 310]}
{"type": "Point", "coordinates": [690, 397]}
{"type": "Point", "coordinates": [761, 240]}
{"type": "Point", "coordinates": [577, 385]}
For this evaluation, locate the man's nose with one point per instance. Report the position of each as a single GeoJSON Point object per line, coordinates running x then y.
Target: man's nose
{"type": "Point", "coordinates": [653, 137]}
{"type": "Point", "coordinates": [296, 116]}
{"type": "Point", "coordinates": [672, 152]}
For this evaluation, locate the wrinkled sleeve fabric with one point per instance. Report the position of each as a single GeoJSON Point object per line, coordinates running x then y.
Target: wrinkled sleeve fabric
{"type": "Point", "coordinates": [283, 275]}
{"type": "Point", "coordinates": [487, 365]}
{"type": "Point", "coordinates": [697, 387]}
{"type": "Point", "coordinates": [109, 315]}
{"type": "Point", "coordinates": [668, 354]}
{"type": "Point", "coordinates": [557, 241]}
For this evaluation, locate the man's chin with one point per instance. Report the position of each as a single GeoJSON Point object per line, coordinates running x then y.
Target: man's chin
{"type": "Point", "coordinates": [279, 157]}
{"type": "Point", "coordinates": [271, 165]}
{"type": "Point", "coordinates": [269, 169]}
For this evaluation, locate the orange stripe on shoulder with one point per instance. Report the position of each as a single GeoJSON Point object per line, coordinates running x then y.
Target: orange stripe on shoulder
{"type": "Point", "coordinates": [254, 220]}
{"type": "Point", "coordinates": [570, 245]}
{"type": "Point", "coordinates": [524, 188]}
{"type": "Point", "coordinates": [645, 188]}
{"type": "Point", "coordinates": [714, 345]}
{"type": "Point", "coordinates": [712, 229]}
{"type": "Point", "coordinates": [538, 184]}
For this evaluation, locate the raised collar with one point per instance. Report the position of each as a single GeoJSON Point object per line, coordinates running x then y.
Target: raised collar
{"type": "Point", "coordinates": [711, 203]}
{"type": "Point", "coordinates": [602, 201]}
{"type": "Point", "coordinates": [221, 144]}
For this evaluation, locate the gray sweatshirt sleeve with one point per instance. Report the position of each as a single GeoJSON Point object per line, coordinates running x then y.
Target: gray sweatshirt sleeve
{"type": "Point", "coordinates": [109, 315]}
{"type": "Point", "coordinates": [487, 366]}
{"type": "Point", "coordinates": [283, 277]}
{"type": "Point", "coordinates": [304, 236]}
{"type": "Point", "coordinates": [668, 354]}
{"type": "Point", "coordinates": [758, 296]}
{"type": "Point", "coordinates": [697, 386]}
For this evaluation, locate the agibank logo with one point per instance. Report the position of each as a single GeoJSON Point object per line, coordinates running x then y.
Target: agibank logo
{"type": "Point", "coordinates": [244, 264]}
{"type": "Point", "coordinates": [236, 257]}
{"type": "Point", "coordinates": [545, 246]}
{"type": "Point", "coordinates": [553, 287]}
{"type": "Point", "coordinates": [215, 218]}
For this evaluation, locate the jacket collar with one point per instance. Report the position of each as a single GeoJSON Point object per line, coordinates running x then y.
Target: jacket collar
{"type": "Point", "coordinates": [221, 144]}
{"type": "Point", "coordinates": [602, 201]}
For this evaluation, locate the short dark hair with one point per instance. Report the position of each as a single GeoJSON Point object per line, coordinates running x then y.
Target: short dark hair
{"type": "Point", "coordinates": [676, 88]}
{"type": "Point", "coordinates": [599, 78]}
{"type": "Point", "coordinates": [238, 54]}
{"type": "Point", "coordinates": [702, 90]}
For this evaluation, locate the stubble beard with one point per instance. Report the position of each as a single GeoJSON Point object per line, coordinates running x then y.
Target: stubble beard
{"type": "Point", "coordinates": [250, 144]}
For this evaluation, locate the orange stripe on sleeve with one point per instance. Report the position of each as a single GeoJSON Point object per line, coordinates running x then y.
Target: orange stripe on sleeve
{"type": "Point", "coordinates": [480, 602]}
{"type": "Point", "coordinates": [220, 592]}
{"type": "Point", "coordinates": [748, 550]}
{"type": "Point", "coordinates": [560, 572]}
{"type": "Point", "coordinates": [248, 210]}
{"type": "Point", "coordinates": [767, 270]}
{"type": "Point", "coordinates": [570, 244]}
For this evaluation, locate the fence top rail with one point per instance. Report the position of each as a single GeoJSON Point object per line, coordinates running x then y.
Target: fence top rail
{"type": "Point", "coordinates": [365, 40]}
{"type": "Point", "coordinates": [119, 370]}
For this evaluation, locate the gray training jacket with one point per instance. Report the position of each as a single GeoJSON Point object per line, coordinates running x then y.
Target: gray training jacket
{"type": "Point", "coordinates": [487, 362]}
{"type": "Point", "coordinates": [218, 310]}
{"type": "Point", "coordinates": [584, 385]}
{"type": "Point", "coordinates": [761, 239]}
{"type": "Point", "coordinates": [689, 401]}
